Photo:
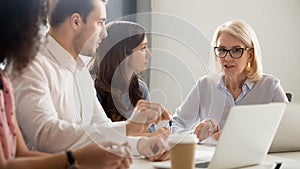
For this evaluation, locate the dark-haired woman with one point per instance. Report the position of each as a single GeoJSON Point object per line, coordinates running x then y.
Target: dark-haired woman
{"type": "Point", "coordinates": [120, 58]}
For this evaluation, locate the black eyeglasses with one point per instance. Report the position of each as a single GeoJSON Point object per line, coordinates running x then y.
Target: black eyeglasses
{"type": "Point", "coordinates": [235, 53]}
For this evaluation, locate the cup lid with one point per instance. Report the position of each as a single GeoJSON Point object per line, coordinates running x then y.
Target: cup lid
{"type": "Point", "coordinates": [182, 138]}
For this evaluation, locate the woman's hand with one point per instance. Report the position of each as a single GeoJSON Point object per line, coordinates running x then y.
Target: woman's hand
{"type": "Point", "coordinates": [207, 128]}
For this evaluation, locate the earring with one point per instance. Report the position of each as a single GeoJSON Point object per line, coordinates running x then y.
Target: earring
{"type": "Point", "coordinates": [249, 65]}
{"type": "Point", "coordinates": [248, 69]}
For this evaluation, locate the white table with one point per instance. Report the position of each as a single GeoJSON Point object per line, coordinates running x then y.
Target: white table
{"type": "Point", "coordinates": [290, 160]}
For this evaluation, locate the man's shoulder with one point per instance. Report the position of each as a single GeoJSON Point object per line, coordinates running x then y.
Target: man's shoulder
{"type": "Point", "coordinates": [40, 67]}
{"type": "Point", "coordinates": [43, 59]}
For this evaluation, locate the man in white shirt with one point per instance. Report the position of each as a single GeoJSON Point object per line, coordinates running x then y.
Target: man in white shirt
{"type": "Point", "coordinates": [56, 102]}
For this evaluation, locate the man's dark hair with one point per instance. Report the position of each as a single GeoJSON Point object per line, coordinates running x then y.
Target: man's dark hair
{"type": "Point", "coordinates": [65, 8]}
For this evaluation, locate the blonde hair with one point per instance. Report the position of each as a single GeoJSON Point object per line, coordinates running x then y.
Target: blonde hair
{"type": "Point", "coordinates": [246, 34]}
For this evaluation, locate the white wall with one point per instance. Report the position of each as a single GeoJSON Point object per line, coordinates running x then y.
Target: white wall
{"type": "Point", "coordinates": [179, 60]}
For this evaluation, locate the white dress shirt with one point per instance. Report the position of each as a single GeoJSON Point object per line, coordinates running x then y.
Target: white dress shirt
{"type": "Point", "coordinates": [57, 107]}
{"type": "Point", "coordinates": [210, 98]}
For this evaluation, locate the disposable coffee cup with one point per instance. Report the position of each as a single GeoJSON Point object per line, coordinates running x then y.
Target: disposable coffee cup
{"type": "Point", "coordinates": [182, 150]}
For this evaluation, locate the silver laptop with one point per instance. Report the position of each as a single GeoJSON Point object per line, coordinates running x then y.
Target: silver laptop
{"type": "Point", "coordinates": [287, 137]}
{"type": "Point", "coordinates": [247, 135]}
{"type": "Point", "coordinates": [245, 139]}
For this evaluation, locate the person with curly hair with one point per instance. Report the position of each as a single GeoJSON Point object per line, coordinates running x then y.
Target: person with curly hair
{"type": "Point", "coordinates": [20, 41]}
{"type": "Point", "coordinates": [61, 94]}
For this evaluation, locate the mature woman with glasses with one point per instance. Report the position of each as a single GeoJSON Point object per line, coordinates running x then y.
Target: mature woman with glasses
{"type": "Point", "coordinates": [239, 80]}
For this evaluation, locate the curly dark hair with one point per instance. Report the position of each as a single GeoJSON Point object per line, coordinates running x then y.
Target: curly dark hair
{"type": "Point", "coordinates": [122, 38]}
{"type": "Point", "coordinates": [21, 33]}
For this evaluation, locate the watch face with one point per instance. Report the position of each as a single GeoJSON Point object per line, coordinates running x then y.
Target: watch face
{"type": "Point", "coordinates": [73, 167]}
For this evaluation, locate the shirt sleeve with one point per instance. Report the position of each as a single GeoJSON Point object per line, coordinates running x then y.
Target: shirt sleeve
{"type": "Point", "coordinates": [133, 142]}
{"type": "Point", "coordinates": [187, 114]}
{"type": "Point", "coordinates": [52, 131]}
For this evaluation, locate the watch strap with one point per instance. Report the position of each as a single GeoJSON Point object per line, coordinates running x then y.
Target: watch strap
{"type": "Point", "coordinates": [70, 156]}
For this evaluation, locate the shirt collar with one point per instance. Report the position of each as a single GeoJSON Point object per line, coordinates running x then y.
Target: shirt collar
{"type": "Point", "coordinates": [248, 84]}
{"type": "Point", "coordinates": [220, 84]}
{"type": "Point", "coordinates": [62, 56]}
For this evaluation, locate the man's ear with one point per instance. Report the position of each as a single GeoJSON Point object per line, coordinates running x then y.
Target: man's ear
{"type": "Point", "coordinates": [76, 21]}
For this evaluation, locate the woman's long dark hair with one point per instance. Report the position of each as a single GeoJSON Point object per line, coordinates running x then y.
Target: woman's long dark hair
{"type": "Point", "coordinates": [21, 34]}
{"type": "Point", "coordinates": [122, 38]}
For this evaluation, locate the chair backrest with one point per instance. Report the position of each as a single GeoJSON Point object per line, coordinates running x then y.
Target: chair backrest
{"type": "Point", "coordinates": [289, 96]}
{"type": "Point", "coordinates": [287, 137]}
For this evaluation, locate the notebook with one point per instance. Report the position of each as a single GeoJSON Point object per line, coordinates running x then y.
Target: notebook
{"type": "Point", "coordinates": [287, 137]}
{"type": "Point", "coordinates": [246, 136]}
